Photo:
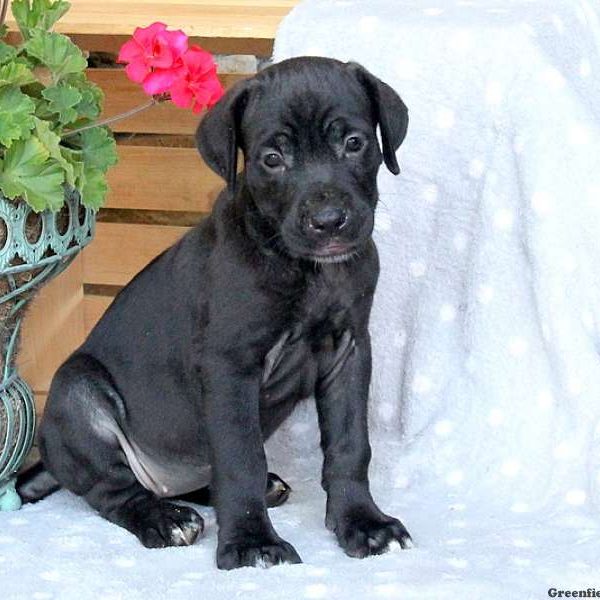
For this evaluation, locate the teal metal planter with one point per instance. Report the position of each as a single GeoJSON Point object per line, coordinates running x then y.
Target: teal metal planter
{"type": "Point", "coordinates": [34, 248]}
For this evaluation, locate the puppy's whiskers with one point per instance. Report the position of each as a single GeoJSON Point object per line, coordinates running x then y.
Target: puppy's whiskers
{"type": "Point", "coordinates": [335, 259]}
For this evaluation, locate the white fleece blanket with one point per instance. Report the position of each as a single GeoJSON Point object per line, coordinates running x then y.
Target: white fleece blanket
{"type": "Point", "coordinates": [486, 333]}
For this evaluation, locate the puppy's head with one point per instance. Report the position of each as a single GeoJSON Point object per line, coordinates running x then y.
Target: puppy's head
{"type": "Point", "coordinates": [307, 129]}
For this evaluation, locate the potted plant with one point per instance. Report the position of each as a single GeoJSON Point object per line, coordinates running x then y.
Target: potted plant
{"type": "Point", "coordinates": [53, 161]}
{"type": "Point", "coordinates": [54, 155]}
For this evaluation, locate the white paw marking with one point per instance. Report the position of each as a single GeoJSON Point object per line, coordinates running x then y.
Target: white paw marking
{"type": "Point", "coordinates": [394, 546]}
{"type": "Point", "coordinates": [185, 534]}
{"type": "Point", "coordinates": [408, 543]}
{"type": "Point", "coordinates": [263, 563]}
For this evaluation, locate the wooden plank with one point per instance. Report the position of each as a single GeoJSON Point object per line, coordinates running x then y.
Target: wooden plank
{"type": "Point", "coordinates": [119, 251]}
{"type": "Point", "coordinates": [53, 327]}
{"type": "Point", "coordinates": [257, 19]}
{"type": "Point", "coordinates": [217, 45]}
{"type": "Point", "coordinates": [123, 95]}
{"type": "Point", "coordinates": [155, 178]}
{"type": "Point", "coordinates": [40, 402]}
{"type": "Point", "coordinates": [93, 309]}
{"type": "Point", "coordinates": [178, 218]}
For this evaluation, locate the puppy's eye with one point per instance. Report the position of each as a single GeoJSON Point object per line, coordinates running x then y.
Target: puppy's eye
{"type": "Point", "coordinates": [354, 144]}
{"type": "Point", "coordinates": [272, 160]}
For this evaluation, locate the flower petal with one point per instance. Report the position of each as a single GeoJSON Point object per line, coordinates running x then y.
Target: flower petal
{"type": "Point", "coordinates": [137, 71]}
{"type": "Point", "coordinates": [198, 107]}
{"type": "Point", "coordinates": [177, 41]}
{"type": "Point", "coordinates": [198, 61]}
{"type": "Point", "coordinates": [159, 81]}
{"type": "Point", "coordinates": [216, 94]}
{"type": "Point", "coordinates": [145, 35]}
{"type": "Point", "coordinates": [181, 94]}
{"type": "Point", "coordinates": [129, 51]}
{"type": "Point", "coordinates": [161, 54]}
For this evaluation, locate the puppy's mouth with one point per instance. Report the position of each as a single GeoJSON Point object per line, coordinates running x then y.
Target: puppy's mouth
{"type": "Point", "coordinates": [333, 252]}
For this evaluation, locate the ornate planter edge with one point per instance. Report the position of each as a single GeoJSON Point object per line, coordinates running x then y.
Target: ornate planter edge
{"type": "Point", "coordinates": [47, 256]}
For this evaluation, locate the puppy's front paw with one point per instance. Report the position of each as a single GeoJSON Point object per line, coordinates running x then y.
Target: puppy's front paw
{"type": "Point", "coordinates": [363, 535]}
{"type": "Point", "coordinates": [264, 553]}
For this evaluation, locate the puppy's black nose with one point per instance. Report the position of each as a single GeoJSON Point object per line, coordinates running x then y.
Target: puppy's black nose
{"type": "Point", "coordinates": [328, 219]}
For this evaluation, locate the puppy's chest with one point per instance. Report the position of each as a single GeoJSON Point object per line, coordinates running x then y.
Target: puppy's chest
{"type": "Point", "coordinates": [292, 366]}
{"type": "Point", "coordinates": [322, 312]}
{"type": "Point", "coordinates": [311, 326]}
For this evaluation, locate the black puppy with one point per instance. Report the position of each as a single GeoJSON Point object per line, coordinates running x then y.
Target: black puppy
{"type": "Point", "coordinates": [266, 302]}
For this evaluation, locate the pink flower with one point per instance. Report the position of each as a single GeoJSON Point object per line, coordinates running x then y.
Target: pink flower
{"type": "Point", "coordinates": [161, 61]}
{"type": "Point", "coordinates": [154, 57]}
{"type": "Point", "coordinates": [197, 85]}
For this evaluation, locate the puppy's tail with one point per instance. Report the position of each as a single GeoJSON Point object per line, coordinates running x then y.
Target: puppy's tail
{"type": "Point", "coordinates": [36, 483]}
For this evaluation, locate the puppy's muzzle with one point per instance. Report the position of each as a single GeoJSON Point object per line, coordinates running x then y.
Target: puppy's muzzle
{"type": "Point", "coordinates": [325, 228]}
{"type": "Point", "coordinates": [328, 223]}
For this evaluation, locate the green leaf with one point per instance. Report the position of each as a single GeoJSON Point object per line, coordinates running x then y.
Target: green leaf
{"type": "Point", "coordinates": [90, 181]}
{"type": "Point", "coordinates": [7, 53]}
{"type": "Point", "coordinates": [92, 98]}
{"type": "Point", "coordinates": [32, 15]}
{"type": "Point", "coordinates": [62, 99]}
{"type": "Point", "coordinates": [57, 52]}
{"type": "Point", "coordinates": [23, 14]}
{"type": "Point", "coordinates": [75, 159]}
{"type": "Point", "coordinates": [3, 30]}
{"type": "Point", "coordinates": [28, 172]}
{"type": "Point", "coordinates": [16, 115]}
{"type": "Point", "coordinates": [51, 143]}
{"type": "Point", "coordinates": [94, 188]}
{"type": "Point", "coordinates": [15, 74]}
{"type": "Point", "coordinates": [98, 148]}
{"type": "Point", "coordinates": [52, 12]}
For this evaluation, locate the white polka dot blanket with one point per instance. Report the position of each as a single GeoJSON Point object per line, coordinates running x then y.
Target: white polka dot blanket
{"type": "Point", "coordinates": [485, 407]}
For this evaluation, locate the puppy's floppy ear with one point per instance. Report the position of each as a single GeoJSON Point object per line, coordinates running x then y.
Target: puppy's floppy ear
{"type": "Point", "coordinates": [218, 135]}
{"type": "Point", "coordinates": [390, 112]}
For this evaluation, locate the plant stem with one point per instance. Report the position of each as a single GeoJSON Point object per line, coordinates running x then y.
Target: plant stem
{"type": "Point", "coordinates": [3, 11]}
{"type": "Point", "coordinates": [155, 100]}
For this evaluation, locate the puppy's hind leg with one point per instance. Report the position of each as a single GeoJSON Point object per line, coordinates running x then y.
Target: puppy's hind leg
{"type": "Point", "coordinates": [278, 491]}
{"type": "Point", "coordinates": [81, 449]}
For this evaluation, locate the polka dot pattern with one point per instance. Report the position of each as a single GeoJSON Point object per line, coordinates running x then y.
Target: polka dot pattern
{"type": "Point", "coordinates": [447, 313]}
{"type": "Point", "coordinates": [576, 497]}
{"type": "Point", "coordinates": [421, 384]}
{"type": "Point", "coordinates": [496, 417]}
{"type": "Point", "coordinates": [407, 69]}
{"type": "Point", "coordinates": [510, 467]}
{"type": "Point", "coordinates": [383, 221]}
{"type": "Point", "coordinates": [455, 477]}
{"type": "Point", "coordinates": [368, 25]}
{"type": "Point", "coordinates": [541, 203]}
{"type": "Point", "coordinates": [518, 346]}
{"type": "Point", "coordinates": [444, 427]}
{"type": "Point", "coordinates": [431, 193]}
{"type": "Point", "coordinates": [578, 134]}
{"type": "Point", "coordinates": [445, 118]}
{"type": "Point", "coordinates": [476, 168]}
{"type": "Point", "coordinates": [418, 268]}
{"type": "Point", "coordinates": [485, 293]}
{"type": "Point", "coordinates": [503, 219]}
{"type": "Point", "coordinates": [316, 590]}
{"type": "Point", "coordinates": [585, 68]}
